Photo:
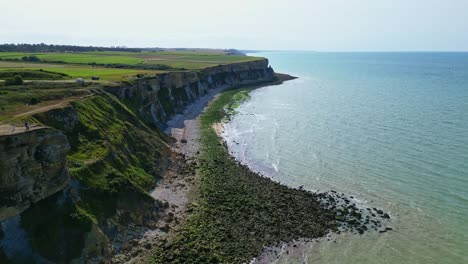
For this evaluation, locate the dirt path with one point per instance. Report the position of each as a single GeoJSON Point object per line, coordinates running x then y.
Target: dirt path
{"type": "Point", "coordinates": [13, 129]}
{"type": "Point", "coordinates": [62, 103]}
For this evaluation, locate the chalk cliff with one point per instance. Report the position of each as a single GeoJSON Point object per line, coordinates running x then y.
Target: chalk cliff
{"type": "Point", "coordinates": [32, 166]}
{"type": "Point", "coordinates": [158, 98]}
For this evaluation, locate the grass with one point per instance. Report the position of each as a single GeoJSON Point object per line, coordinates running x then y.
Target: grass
{"type": "Point", "coordinates": [33, 74]}
{"type": "Point", "coordinates": [73, 71]}
{"type": "Point", "coordinates": [76, 58]}
{"type": "Point", "coordinates": [189, 60]}
{"type": "Point", "coordinates": [109, 160]}
{"type": "Point", "coordinates": [239, 212]}
{"type": "Point", "coordinates": [192, 60]}
{"type": "Point", "coordinates": [16, 100]}
{"type": "Point", "coordinates": [110, 141]}
{"type": "Point", "coordinates": [189, 65]}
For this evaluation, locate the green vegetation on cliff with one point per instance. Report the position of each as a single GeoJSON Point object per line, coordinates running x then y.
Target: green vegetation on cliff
{"type": "Point", "coordinates": [114, 160]}
{"type": "Point", "coordinates": [53, 71]}
{"type": "Point", "coordinates": [109, 150]}
{"type": "Point", "coordinates": [18, 99]}
{"type": "Point", "coordinates": [238, 211]}
{"type": "Point", "coordinates": [49, 224]}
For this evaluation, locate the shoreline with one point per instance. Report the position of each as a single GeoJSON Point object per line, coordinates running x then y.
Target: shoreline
{"type": "Point", "coordinates": [292, 214]}
{"type": "Point", "coordinates": [295, 249]}
{"type": "Point", "coordinates": [177, 190]}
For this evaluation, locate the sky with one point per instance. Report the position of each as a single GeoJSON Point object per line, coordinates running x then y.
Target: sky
{"type": "Point", "coordinates": [320, 25]}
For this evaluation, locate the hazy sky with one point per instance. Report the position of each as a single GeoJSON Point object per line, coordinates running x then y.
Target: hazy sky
{"type": "Point", "coordinates": [325, 25]}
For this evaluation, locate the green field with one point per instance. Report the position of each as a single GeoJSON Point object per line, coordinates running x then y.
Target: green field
{"type": "Point", "coordinates": [76, 58]}
{"type": "Point", "coordinates": [73, 71]}
{"type": "Point", "coordinates": [188, 60]}
{"type": "Point", "coordinates": [50, 77]}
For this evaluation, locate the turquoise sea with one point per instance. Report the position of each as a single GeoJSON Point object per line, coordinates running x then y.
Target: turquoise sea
{"type": "Point", "coordinates": [389, 129]}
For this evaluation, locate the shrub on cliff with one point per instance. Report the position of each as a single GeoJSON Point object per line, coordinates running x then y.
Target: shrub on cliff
{"type": "Point", "coordinates": [34, 101]}
{"type": "Point", "coordinates": [15, 80]}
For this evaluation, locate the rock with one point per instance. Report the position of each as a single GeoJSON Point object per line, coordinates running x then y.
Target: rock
{"type": "Point", "coordinates": [96, 244]}
{"type": "Point", "coordinates": [339, 217]}
{"type": "Point", "coordinates": [33, 166]}
{"type": "Point", "coordinates": [165, 228]}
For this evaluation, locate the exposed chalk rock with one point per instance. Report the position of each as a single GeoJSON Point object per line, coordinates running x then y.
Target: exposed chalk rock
{"type": "Point", "coordinates": [32, 167]}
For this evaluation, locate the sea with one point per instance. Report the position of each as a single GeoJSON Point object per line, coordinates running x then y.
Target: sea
{"type": "Point", "coordinates": [387, 128]}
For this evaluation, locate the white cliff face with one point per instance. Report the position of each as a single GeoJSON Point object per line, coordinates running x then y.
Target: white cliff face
{"type": "Point", "coordinates": [161, 97]}
{"type": "Point", "coordinates": [32, 167]}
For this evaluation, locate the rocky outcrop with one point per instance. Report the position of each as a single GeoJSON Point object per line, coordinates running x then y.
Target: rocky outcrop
{"type": "Point", "coordinates": [32, 167]}
{"type": "Point", "coordinates": [158, 98]}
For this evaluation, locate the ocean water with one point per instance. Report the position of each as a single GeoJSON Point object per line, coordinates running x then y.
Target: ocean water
{"type": "Point", "coordinates": [390, 129]}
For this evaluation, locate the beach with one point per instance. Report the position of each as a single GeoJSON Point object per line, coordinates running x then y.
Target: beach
{"type": "Point", "coordinates": [270, 227]}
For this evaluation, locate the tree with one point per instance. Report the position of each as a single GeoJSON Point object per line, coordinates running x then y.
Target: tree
{"type": "Point", "coordinates": [32, 58]}
{"type": "Point", "coordinates": [33, 101]}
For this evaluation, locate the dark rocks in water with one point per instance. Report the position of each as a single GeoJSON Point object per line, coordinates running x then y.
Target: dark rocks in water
{"type": "Point", "coordinates": [356, 214]}
{"type": "Point", "coordinates": [386, 216]}
{"type": "Point", "coordinates": [379, 211]}
{"type": "Point", "coordinates": [385, 230]}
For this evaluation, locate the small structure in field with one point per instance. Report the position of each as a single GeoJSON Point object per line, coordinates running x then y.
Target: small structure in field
{"type": "Point", "coordinates": [79, 80]}
{"type": "Point", "coordinates": [95, 78]}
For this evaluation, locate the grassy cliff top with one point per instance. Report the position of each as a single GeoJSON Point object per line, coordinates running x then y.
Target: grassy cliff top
{"type": "Point", "coordinates": [49, 78]}
{"type": "Point", "coordinates": [144, 60]}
